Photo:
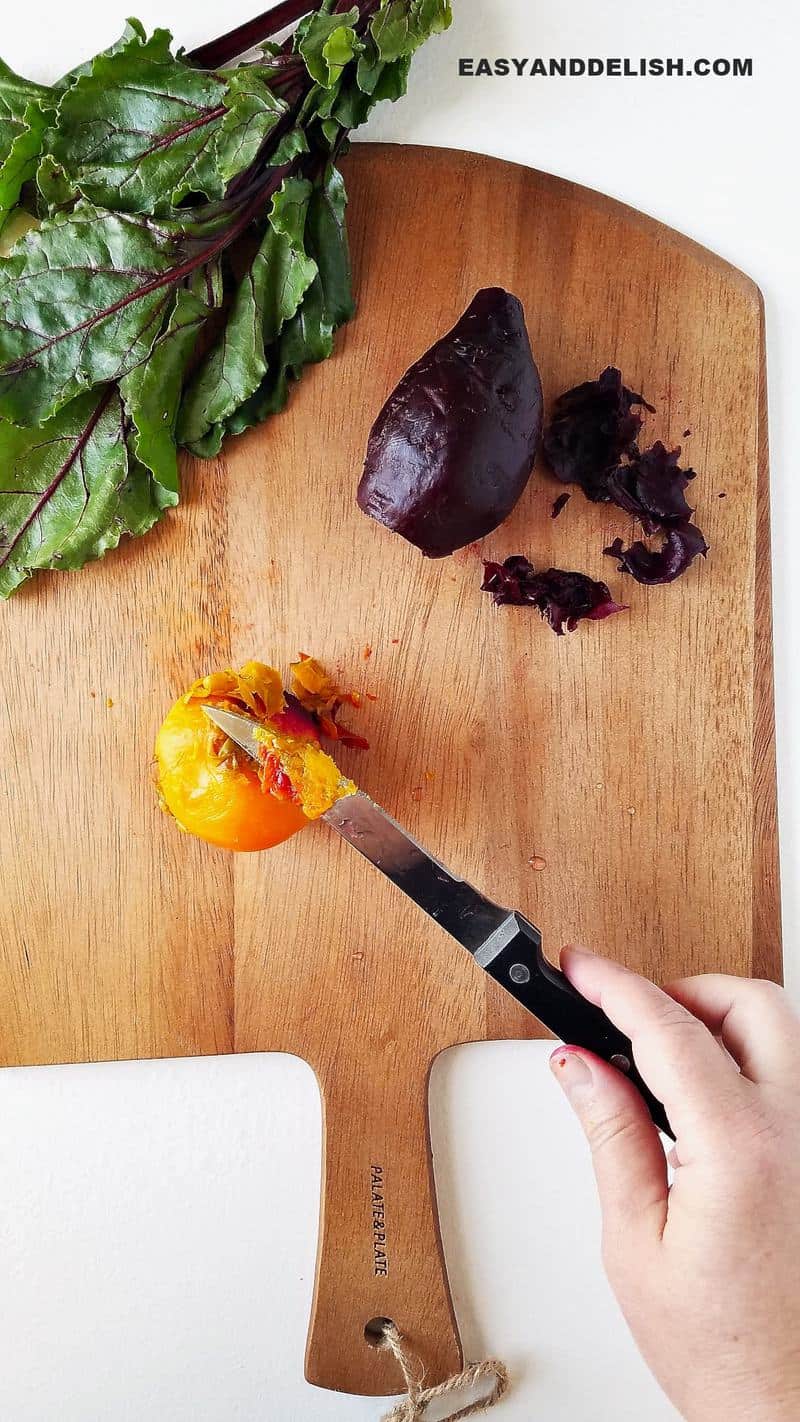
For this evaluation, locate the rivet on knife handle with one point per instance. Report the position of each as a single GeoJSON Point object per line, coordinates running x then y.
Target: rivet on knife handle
{"type": "Point", "coordinates": [515, 960]}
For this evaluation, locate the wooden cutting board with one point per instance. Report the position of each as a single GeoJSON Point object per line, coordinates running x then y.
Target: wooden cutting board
{"type": "Point", "coordinates": [633, 760]}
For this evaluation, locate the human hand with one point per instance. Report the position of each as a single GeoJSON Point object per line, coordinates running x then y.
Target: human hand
{"type": "Point", "coordinates": [707, 1272]}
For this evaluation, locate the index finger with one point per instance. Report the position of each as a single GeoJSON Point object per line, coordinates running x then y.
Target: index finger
{"type": "Point", "coordinates": [676, 1054]}
{"type": "Point", "coordinates": [753, 1018]}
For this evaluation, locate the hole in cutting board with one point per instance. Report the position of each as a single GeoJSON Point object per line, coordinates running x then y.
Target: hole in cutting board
{"type": "Point", "coordinates": [375, 1331]}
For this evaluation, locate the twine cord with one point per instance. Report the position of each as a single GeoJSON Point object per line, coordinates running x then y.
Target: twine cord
{"type": "Point", "coordinates": [413, 1407]}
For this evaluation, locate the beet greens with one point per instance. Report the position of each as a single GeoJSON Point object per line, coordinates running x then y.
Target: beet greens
{"type": "Point", "coordinates": [161, 190]}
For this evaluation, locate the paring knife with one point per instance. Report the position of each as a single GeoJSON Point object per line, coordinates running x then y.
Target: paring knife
{"type": "Point", "coordinates": [501, 941]}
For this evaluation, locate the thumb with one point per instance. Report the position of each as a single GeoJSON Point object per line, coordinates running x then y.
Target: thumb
{"type": "Point", "coordinates": [629, 1162]}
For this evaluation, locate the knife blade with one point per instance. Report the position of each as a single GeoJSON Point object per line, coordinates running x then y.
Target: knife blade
{"type": "Point", "coordinates": [502, 941]}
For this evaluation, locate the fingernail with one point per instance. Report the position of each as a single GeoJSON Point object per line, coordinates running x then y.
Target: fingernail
{"type": "Point", "coordinates": [570, 1071]}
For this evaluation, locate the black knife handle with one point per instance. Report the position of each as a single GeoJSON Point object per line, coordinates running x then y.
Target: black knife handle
{"type": "Point", "coordinates": [522, 969]}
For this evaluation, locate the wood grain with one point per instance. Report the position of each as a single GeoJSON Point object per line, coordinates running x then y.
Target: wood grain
{"type": "Point", "coordinates": [634, 757]}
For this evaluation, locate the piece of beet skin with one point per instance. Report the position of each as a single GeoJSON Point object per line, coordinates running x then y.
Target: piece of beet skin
{"type": "Point", "coordinates": [563, 598]}
{"type": "Point", "coordinates": [453, 447]}
{"type": "Point", "coordinates": [682, 543]}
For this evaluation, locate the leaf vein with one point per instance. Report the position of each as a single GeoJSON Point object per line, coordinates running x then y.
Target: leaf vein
{"type": "Point", "coordinates": [60, 475]}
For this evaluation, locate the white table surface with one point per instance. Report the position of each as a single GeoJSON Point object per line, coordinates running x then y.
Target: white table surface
{"type": "Point", "coordinates": [158, 1220]}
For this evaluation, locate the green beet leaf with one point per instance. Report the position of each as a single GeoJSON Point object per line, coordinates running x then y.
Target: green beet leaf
{"type": "Point", "coordinates": [19, 164]}
{"type": "Point", "coordinates": [16, 97]}
{"type": "Point", "coordinates": [308, 337]}
{"type": "Point", "coordinates": [289, 147]}
{"type": "Point", "coordinates": [82, 300]}
{"type": "Point", "coordinates": [138, 131]}
{"type": "Point", "coordinates": [152, 390]}
{"type": "Point", "coordinates": [268, 296]}
{"type": "Point", "coordinates": [70, 490]}
{"type": "Point", "coordinates": [22, 126]}
{"type": "Point", "coordinates": [326, 239]}
{"type": "Point", "coordinates": [380, 78]}
{"type": "Point", "coordinates": [401, 26]}
{"type": "Point", "coordinates": [305, 340]}
{"type": "Point", "coordinates": [252, 111]}
{"type": "Point", "coordinates": [328, 43]}
{"type": "Point", "coordinates": [55, 188]}
{"type": "Point", "coordinates": [352, 101]}
{"type": "Point", "coordinates": [396, 31]}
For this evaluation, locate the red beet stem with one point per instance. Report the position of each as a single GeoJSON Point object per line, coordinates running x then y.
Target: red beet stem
{"type": "Point", "coordinates": [244, 37]}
